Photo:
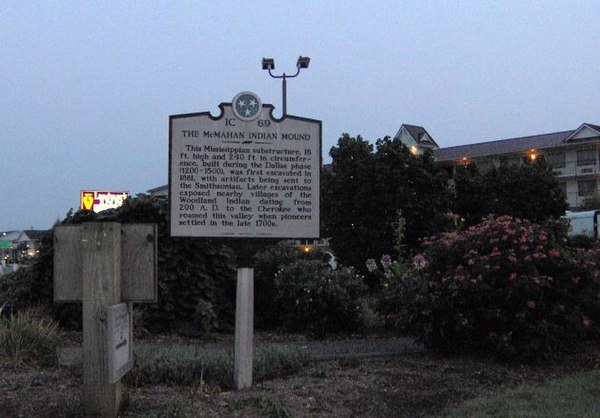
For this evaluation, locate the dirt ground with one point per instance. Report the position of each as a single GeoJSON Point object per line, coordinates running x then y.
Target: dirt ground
{"type": "Point", "coordinates": [410, 384]}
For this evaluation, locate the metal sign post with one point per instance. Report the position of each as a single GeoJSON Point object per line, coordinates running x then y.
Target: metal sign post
{"type": "Point", "coordinates": [244, 328]}
{"type": "Point", "coordinates": [244, 174]}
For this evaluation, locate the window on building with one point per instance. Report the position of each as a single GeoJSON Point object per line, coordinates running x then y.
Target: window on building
{"type": "Point", "coordinates": [586, 187]}
{"type": "Point", "coordinates": [556, 160]}
{"type": "Point", "coordinates": [586, 157]}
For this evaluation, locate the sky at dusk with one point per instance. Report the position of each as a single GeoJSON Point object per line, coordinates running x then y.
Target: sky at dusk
{"type": "Point", "coordinates": [87, 87]}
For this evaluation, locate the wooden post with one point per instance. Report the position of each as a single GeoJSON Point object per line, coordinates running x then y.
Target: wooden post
{"type": "Point", "coordinates": [101, 265]}
{"type": "Point", "coordinates": [101, 270]}
{"type": "Point", "coordinates": [244, 328]}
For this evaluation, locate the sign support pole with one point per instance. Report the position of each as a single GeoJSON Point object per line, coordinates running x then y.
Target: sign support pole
{"type": "Point", "coordinates": [244, 328]}
{"type": "Point", "coordinates": [101, 259]}
{"type": "Point", "coordinates": [245, 175]}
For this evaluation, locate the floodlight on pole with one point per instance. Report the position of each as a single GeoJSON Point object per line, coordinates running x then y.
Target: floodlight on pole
{"type": "Point", "coordinates": [269, 65]}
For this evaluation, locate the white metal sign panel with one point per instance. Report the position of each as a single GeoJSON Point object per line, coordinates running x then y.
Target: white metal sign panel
{"type": "Point", "coordinates": [244, 173]}
{"type": "Point", "coordinates": [119, 348]}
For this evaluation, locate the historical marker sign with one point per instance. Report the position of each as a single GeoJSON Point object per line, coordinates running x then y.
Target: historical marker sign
{"type": "Point", "coordinates": [244, 173]}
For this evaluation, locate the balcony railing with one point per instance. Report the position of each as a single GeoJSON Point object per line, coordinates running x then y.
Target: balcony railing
{"type": "Point", "coordinates": [572, 171]}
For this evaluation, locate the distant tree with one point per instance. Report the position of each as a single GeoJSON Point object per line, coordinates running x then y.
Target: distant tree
{"type": "Point", "coordinates": [472, 197]}
{"type": "Point", "coordinates": [345, 198]}
{"type": "Point", "coordinates": [367, 188]}
{"type": "Point", "coordinates": [414, 184]}
{"type": "Point", "coordinates": [591, 203]}
{"type": "Point", "coordinates": [528, 191]}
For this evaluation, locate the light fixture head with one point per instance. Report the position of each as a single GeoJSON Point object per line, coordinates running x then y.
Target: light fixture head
{"type": "Point", "coordinates": [268, 64]}
{"type": "Point", "coordinates": [303, 62]}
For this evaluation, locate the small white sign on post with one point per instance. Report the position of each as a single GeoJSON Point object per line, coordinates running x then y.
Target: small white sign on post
{"type": "Point", "coordinates": [118, 347]}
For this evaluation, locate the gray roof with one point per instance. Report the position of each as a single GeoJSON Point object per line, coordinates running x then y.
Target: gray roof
{"type": "Point", "coordinates": [511, 145]}
{"type": "Point", "coordinates": [36, 235]}
{"type": "Point", "coordinates": [158, 188]}
{"type": "Point", "coordinates": [31, 234]}
{"type": "Point", "coordinates": [418, 132]}
{"type": "Point", "coordinates": [503, 146]}
{"type": "Point", "coordinates": [595, 127]}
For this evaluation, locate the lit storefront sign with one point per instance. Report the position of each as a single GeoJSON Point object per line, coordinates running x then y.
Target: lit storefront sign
{"type": "Point", "coordinates": [97, 201]}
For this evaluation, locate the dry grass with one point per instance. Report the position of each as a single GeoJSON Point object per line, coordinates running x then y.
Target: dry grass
{"type": "Point", "coordinates": [28, 337]}
{"type": "Point", "coordinates": [415, 385]}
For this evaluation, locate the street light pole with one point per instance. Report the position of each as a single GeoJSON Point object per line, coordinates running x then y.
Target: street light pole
{"type": "Point", "coordinates": [283, 93]}
{"type": "Point", "coordinates": [269, 64]}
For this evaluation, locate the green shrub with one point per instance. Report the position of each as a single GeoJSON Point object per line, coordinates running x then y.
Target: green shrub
{"type": "Point", "coordinates": [505, 286]}
{"type": "Point", "coordinates": [205, 317]}
{"type": "Point", "coordinates": [29, 337]}
{"type": "Point", "coordinates": [311, 297]}
{"type": "Point", "coordinates": [267, 263]}
{"type": "Point", "coordinates": [582, 241]}
{"type": "Point", "coordinates": [15, 288]}
{"type": "Point", "coordinates": [196, 276]}
{"type": "Point", "coordinates": [140, 320]}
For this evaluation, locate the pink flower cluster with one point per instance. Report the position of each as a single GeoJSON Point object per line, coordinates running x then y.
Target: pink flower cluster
{"type": "Point", "coordinates": [386, 264]}
{"type": "Point", "coordinates": [508, 275]}
{"type": "Point", "coordinates": [502, 246]}
{"type": "Point", "coordinates": [419, 261]}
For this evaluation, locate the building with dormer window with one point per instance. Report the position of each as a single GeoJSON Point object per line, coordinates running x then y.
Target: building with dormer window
{"type": "Point", "coordinates": [574, 155]}
{"type": "Point", "coordinates": [16, 247]}
{"type": "Point", "coordinates": [416, 138]}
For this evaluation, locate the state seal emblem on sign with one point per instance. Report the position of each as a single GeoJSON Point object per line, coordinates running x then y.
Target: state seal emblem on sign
{"type": "Point", "coordinates": [246, 106]}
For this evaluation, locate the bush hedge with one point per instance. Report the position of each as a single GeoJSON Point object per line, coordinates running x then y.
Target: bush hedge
{"type": "Point", "coordinates": [197, 281]}
{"type": "Point", "coordinates": [267, 263]}
{"type": "Point", "coordinates": [505, 286]}
{"type": "Point", "coordinates": [312, 297]}
{"type": "Point", "coordinates": [196, 277]}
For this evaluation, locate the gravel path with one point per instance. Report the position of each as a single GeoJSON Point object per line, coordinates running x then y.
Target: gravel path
{"type": "Point", "coordinates": [371, 347]}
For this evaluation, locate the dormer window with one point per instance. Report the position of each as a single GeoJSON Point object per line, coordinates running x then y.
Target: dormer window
{"type": "Point", "coordinates": [425, 138]}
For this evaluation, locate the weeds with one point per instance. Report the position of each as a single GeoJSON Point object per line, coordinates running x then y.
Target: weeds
{"type": "Point", "coordinates": [187, 366]}
{"type": "Point", "coordinates": [272, 408]}
{"type": "Point", "coordinates": [575, 395]}
{"type": "Point", "coordinates": [350, 362]}
{"type": "Point", "coordinates": [272, 361]}
{"type": "Point", "coordinates": [172, 410]}
{"type": "Point", "coordinates": [29, 337]}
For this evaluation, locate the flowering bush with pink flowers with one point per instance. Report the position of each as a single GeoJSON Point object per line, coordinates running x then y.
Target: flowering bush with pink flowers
{"type": "Point", "coordinates": [505, 286]}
